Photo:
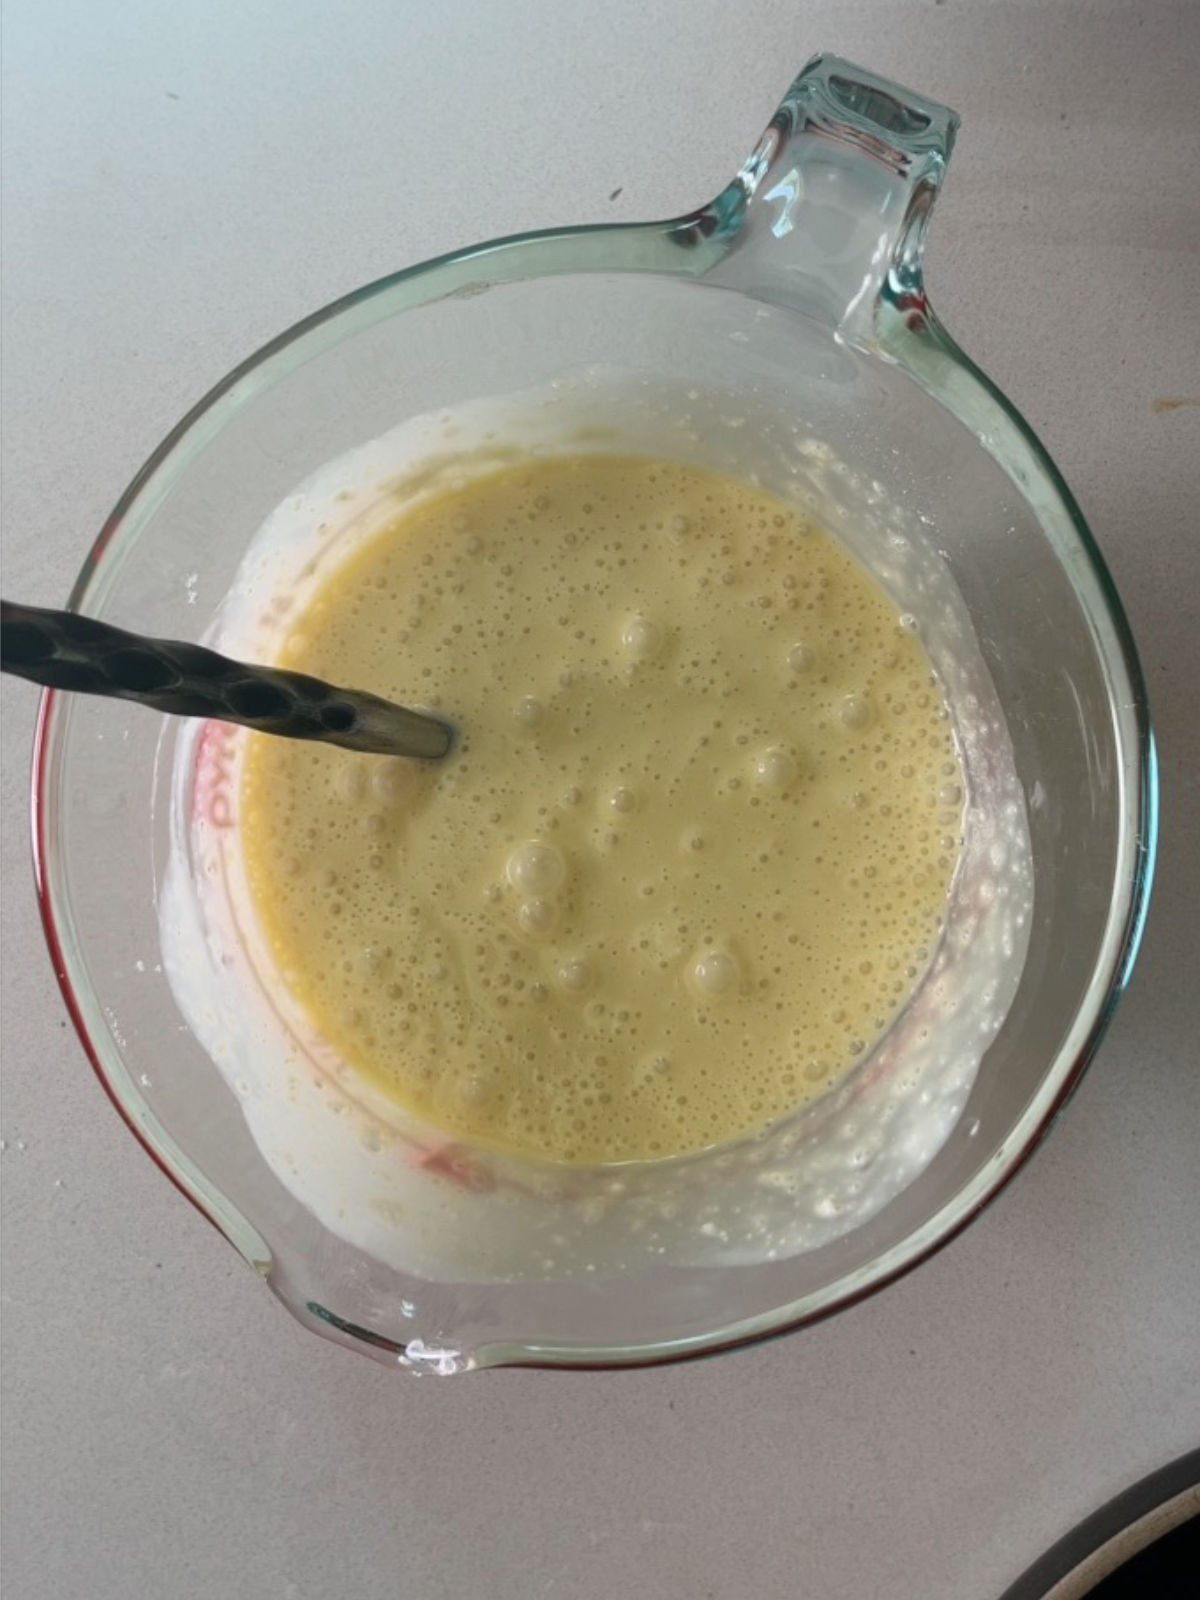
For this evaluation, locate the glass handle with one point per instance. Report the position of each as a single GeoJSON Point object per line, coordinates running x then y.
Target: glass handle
{"type": "Point", "coordinates": [828, 215]}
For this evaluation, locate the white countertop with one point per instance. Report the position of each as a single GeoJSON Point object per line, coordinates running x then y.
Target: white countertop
{"type": "Point", "coordinates": [180, 183]}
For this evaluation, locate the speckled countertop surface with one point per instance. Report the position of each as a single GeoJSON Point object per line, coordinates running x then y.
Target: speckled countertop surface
{"type": "Point", "coordinates": [180, 183]}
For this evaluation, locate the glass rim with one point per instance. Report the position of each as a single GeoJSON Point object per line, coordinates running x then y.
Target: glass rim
{"type": "Point", "coordinates": [935, 363]}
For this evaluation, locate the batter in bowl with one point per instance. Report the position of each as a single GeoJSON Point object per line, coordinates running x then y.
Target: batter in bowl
{"type": "Point", "coordinates": [692, 853]}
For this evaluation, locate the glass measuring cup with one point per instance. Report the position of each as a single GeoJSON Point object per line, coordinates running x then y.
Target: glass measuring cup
{"type": "Point", "coordinates": [781, 332]}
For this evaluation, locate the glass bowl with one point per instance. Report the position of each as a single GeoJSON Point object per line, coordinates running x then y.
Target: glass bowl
{"type": "Point", "coordinates": [781, 332]}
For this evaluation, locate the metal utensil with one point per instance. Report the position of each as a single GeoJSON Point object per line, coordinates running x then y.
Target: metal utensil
{"type": "Point", "coordinates": [63, 650]}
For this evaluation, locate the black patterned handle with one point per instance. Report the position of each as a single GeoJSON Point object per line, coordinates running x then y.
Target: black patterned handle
{"type": "Point", "coordinates": [63, 650]}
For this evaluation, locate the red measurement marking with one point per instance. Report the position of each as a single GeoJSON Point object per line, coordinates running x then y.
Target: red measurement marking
{"type": "Point", "coordinates": [454, 1162]}
{"type": "Point", "coordinates": [212, 796]}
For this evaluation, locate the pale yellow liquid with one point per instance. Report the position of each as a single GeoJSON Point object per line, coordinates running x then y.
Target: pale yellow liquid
{"type": "Point", "coordinates": [691, 854]}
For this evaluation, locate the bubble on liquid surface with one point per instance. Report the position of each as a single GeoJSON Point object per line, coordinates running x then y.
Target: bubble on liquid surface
{"type": "Point", "coordinates": [538, 917]}
{"type": "Point", "coordinates": [642, 638]}
{"type": "Point", "coordinates": [776, 767]}
{"type": "Point", "coordinates": [536, 868]}
{"type": "Point", "coordinates": [388, 779]}
{"type": "Point", "coordinates": [714, 975]}
{"type": "Point", "coordinates": [528, 712]}
{"type": "Point", "coordinates": [575, 974]}
{"type": "Point", "coordinates": [855, 711]}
